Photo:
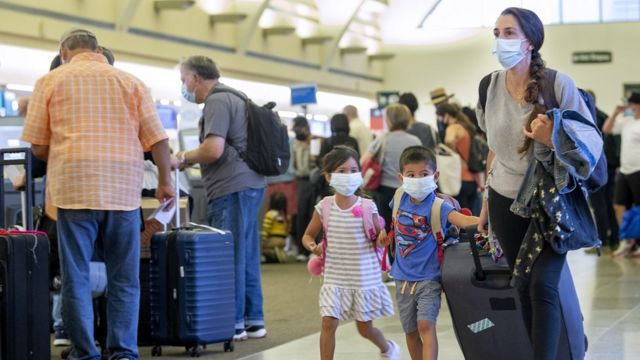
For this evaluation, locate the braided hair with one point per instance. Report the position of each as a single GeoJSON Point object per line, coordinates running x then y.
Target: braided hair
{"type": "Point", "coordinates": [533, 30]}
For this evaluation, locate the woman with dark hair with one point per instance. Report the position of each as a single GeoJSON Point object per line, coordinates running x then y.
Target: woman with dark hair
{"type": "Point", "coordinates": [387, 149]}
{"type": "Point", "coordinates": [514, 119]}
{"type": "Point", "coordinates": [339, 136]}
{"type": "Point", "coordinates": [458, 134]}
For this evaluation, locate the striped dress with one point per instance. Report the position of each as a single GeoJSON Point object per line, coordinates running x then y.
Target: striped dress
{"type": "Point", "coordinates": [352, 287]}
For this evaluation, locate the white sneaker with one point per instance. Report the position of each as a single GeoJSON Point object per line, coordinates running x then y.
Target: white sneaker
{"type": "Point", "coordinates": [256, 332]}
{"type": "Point", "coordinates": [393, 353]}
{"type": "Point", "coordinates": [624, 248]}
{"type": "Point", "coordinates": [240, 335]}
{"type": "Point", "coordinates": [302, 258]}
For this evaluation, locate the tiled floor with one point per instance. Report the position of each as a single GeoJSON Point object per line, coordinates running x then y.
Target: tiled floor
{"type": "Point", "coordinates": [609, 291]}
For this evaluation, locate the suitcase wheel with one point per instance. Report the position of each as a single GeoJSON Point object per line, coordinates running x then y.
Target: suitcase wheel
{"type": "Point", "coordinates": [156, 351]}
{"type": "Point", "coordinates": [228, 346]}
{"type": "Point", "coordinates": [196, 351]}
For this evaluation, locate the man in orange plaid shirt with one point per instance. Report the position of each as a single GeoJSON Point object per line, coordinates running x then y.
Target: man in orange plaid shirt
{"type": "Point", "coordinates": [92, 122]}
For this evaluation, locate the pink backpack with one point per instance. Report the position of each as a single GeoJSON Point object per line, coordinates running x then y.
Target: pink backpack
{"type": "Point", "coordinates": [367, 218]}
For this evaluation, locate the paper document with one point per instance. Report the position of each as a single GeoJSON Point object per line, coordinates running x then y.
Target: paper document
{"type": "Point", "coordinates": [13, 171]}
{"type": "Point", "coordinates": [164, 213]}
{"type": "Point", "coordinates": [314, 147]}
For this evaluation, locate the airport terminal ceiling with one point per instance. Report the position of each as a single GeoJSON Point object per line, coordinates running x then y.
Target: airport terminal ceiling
{"type": "Point", "coordinates": [342, 45]}
{"type": "Point", "coordinates": [350, 47]}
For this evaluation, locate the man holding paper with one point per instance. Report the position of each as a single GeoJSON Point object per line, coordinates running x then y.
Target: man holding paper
{"type": "Point", "coordinates": [92, 122]}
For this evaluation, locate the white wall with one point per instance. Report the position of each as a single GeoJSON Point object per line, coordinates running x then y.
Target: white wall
{"type": "Point", "coordinates": [459, 67]}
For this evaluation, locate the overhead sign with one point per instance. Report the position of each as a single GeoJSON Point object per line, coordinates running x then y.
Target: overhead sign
{"type": "Point", "coordinates": [303, 94]}
{"type": "Point", "coordinates": [386, 98]}
{"type": "Point", "coordinates": [592, 57]}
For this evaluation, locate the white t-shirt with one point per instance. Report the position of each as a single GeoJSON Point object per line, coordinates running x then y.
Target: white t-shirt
{"type": "Point", "coordinates": [629, 130]}
{"type": "Point", "coordinates": [362, 134]}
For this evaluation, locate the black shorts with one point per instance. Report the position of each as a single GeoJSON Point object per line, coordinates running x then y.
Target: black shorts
{"type": "Point", "coordinates": [627, 191]}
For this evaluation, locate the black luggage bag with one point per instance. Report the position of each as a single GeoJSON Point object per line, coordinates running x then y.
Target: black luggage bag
{"type": "Point", "coordinates": [486, 311]}
{"type": "Point", "coordinates": [24, 277]}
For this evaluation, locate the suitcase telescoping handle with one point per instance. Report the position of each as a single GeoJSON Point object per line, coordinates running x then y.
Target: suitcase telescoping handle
{"type": "Point", "coordinates": [28, 201]}
{"type": "Point", "coordinates": [177, 205]}
{"type": "Point", "coordinates": [479, 272]}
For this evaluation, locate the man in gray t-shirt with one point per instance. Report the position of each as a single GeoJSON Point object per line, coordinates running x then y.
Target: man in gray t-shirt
{"type": "Point", "coordinates": [234, 191]}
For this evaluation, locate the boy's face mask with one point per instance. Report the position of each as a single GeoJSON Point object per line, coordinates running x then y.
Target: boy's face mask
{"type": "Point", "coordinates": [419, 188]}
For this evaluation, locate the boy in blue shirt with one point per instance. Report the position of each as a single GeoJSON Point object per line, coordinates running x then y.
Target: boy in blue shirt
{"type": "Point", "coordinates": [418, 252]}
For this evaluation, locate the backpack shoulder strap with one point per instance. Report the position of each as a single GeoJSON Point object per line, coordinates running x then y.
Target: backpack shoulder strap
{"type": "Point", "coordinates": [436, 226]}
{"type": "Point", "coordinates": [226, 89]}
{"type": "Point", "coordinates": [549, 90]}
{"type": "Point", "coordinates": [367, 219]}
{"type": "Point", "coordinates": [436, 223]}
{"type": "Point", "coordinates": [397, 198]}
{"type": "Point", "coordinates": [483, 88]}
{"type": "Point", "coordinates": [325, 205]}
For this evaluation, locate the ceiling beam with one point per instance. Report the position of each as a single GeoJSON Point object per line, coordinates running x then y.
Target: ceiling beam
{"type": "Point", "coordinates": [251, 27]}
{"type": "Point", "coordinates": [431, 10]}
{"type": "Point", "coordinates": [333, 48]}
{"type": "Point", "coordinates": [127, 9]}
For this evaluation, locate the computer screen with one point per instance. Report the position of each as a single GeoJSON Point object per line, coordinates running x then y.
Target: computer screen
{"type": "Point", "coordinates": [10, 132]}
{"type": "Point", "coordinates": [189, 140]}
{"type": "Point", "coordinates": [168, 116]}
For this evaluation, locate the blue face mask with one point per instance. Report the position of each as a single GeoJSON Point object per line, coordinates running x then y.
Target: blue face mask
{"type": "Point", "coordinates": [190, 96]}
{"type": "Point", "coordinates": [508, 52]}
{"type": "Point", "coordinates": [630, 112]}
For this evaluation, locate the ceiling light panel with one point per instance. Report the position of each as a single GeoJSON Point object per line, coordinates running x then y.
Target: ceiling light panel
{"type": "Point", "coordinates": [330, 15]}
{"type": "Point", "coordinates": [375, 6]}
{"type": "Point", "coordinates": [271, 18]}
{"type": "Point", "coordinates": [214, 6]}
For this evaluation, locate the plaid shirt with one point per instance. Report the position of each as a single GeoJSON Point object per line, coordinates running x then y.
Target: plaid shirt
{"type": "Point", "coordinates": [97, 121]}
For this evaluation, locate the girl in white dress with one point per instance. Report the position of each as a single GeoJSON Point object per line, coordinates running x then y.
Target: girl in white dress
{"type": "Point", "coordinates": [352, 287]}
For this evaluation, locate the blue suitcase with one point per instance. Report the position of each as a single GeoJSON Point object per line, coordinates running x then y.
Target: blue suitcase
{"type": "Point", "coordinates": [192, 289]}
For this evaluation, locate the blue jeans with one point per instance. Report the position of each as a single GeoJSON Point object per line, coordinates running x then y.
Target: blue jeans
{"type": "Point", "coordinates": [56, 312]}
{"type": "Point", "coordinates": [120, 231]}
{"type": "Point", "coordinates": [238, 212]}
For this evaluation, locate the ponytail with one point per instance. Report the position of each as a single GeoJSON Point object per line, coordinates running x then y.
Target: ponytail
{"type": "Point", "coordinates": [532, 95]}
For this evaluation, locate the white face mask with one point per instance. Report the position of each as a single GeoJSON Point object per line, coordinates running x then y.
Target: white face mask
{"type": "Point", "coordinates": [346, 184]}
{"type": "Point", "coordinates": [419, 188]}
{"type": "Point", "coordinates": [508, 52]}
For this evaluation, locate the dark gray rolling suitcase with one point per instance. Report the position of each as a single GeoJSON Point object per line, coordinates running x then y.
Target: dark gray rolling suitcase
{"type": "Point", "coordinates": [486, 310]}
{"type": "Point", "coordinates": [192, 288]}
{"type": "Point", "coordinates": [24, 278]}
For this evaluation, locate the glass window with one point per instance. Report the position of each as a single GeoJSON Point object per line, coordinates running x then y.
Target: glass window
{"type": "Point", "coordinates": [547, 10]}
{"type": "Point", "coordinates": [620, 10]}
{"type": "Point", "coordinates": [491, 9]}
{"type": "Point", "coordinates": [580, 11]}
